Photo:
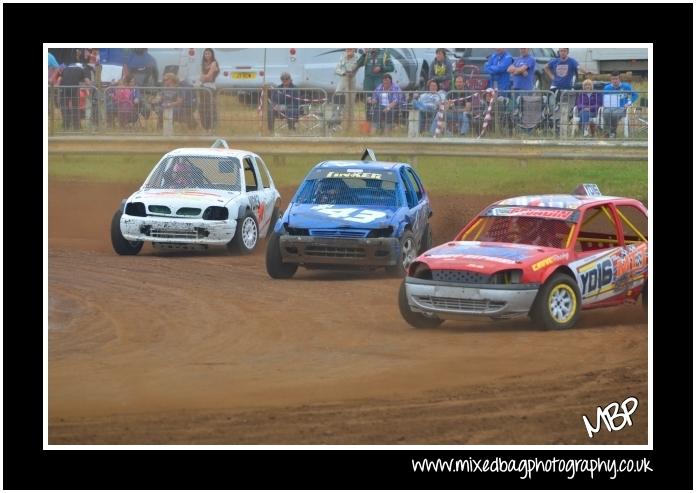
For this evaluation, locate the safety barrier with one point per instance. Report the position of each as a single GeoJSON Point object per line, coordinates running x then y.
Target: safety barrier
{"type": "Point", "coordinates": [301, 112]}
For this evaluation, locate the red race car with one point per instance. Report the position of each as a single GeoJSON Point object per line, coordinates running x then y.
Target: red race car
{"type": "Point", "coordinates": [546, 256]}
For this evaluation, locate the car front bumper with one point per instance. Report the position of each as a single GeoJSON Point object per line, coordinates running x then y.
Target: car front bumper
{"type": "Point", "coordinates": [340, 251]}
{"type": "Point", "coordinates": [451, 300]}
{"type": "Point", "coordinates": [177, 230]}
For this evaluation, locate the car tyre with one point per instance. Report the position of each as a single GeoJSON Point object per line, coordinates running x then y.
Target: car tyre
{"type": "Point", "coordinates": [644, 295]}
{"type": "Point", "coordinates": [415, 319]}
{"type": "Point", "coordinates": [274, 219]}
{"type": "Point", "coordinates": [407, 254]}
{"type": "Point", "coordinates": [246, 236]}
{"type": "Point", "coordinates": [275, 266]}
{"type": "Point", "coordinates": [121, 245]}
{"type": "Point", "coordinates": [426, 240]}
{"type": "Point", "coordinates": [558, 303]}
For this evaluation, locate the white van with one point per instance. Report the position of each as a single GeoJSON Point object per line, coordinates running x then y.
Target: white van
{"type": "Point", "coordinates": [309, 67]}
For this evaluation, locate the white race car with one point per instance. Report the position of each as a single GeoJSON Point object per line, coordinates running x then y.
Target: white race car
{"type": "Point", "coordinates": [195, 197]}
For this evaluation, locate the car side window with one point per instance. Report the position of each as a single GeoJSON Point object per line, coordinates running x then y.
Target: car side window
{"type": "Point", "coordinates": [634, 223]}
{"type": "Point", "coordinates": [598, 230]}
{"type": "Point", "coordinates": [266, 176]}
{"type": "Point", "coordinates": [250, 176]}
{"type": "Point", "coordinates": [411, 199]}
{"type": "Point", "coordinates": [415, 183]}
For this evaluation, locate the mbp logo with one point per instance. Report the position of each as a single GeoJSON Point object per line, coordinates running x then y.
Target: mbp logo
{"type": "Point", "coordinates": [610, 414]}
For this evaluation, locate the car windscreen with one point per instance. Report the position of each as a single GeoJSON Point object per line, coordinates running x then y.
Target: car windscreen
{"type": "Point", "coordinates": [552, 233]}
{"type": "Point", "coordinates": [185, 172]}
{"type": "Point", "coordinates": [349, 191]}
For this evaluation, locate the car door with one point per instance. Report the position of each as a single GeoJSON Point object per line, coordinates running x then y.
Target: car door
{"type": "Point", "coordinates": [604, 264]}
{"type": "Point", "coordinates": [254, 190]}
{"type": "Point", "coordinates": [419, 206]}
{"type": "Point", "coordinates": [632, 267]}
{"type": "Point", "coordinates": [267, 195]}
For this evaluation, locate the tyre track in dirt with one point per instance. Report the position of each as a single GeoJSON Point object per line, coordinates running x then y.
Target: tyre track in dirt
{"type": "Point", "coordinates": [206, 348]}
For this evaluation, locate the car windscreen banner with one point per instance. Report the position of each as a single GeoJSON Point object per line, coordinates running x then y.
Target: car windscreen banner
{"type": "Point", "coordinates": [539, 212]}
{"type": "Point", "coordinates": [350, 191]}
{"type": "Point", "coordinates": [354, 172]}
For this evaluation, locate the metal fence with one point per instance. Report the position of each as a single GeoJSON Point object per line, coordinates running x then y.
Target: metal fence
{"type": "Point", "coordinates": [301, 112]}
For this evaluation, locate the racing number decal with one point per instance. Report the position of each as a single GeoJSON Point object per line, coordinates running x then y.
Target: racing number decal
{"type": "Point", "coordinates": [366, 216]}
{"type": "Point", "coordinates": [352, 214]}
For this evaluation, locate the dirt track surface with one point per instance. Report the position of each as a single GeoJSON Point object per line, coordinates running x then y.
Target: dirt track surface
{"type": "Point", "coordinates": [205, 348]}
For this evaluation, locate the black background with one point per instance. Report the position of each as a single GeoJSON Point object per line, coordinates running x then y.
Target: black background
{"type": "Point", "coordinates": [26, 27]}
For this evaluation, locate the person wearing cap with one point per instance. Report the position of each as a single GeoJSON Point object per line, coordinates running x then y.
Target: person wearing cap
{"type": "Point", "coordinates": [285, 102]}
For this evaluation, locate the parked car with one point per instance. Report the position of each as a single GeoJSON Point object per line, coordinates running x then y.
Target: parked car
{"type": "Point", "coordinates": [196, 197]}
{"type": "Point", "coordinates": [313, 68]}
{"type": "Point", "coordinates": [546, 256]}
{"type": "Point", "coordinates": [362, 214]}
{"type": "Point", "coordinates": [479, 56]}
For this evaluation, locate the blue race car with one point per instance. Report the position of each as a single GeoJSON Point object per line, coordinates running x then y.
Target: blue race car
{"type": "Point", "coordinates": [360, 214]}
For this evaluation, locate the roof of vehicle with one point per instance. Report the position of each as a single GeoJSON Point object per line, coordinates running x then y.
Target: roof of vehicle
{"type": "Point", "coordinates": [557, 201]}
{"type": "Point", "coordinates": [208, 151]}
{"type": "Point", "coordinates": [364, 165]}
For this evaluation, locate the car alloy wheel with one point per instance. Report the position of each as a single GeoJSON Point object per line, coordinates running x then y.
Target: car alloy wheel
{"type": "Point", "coordinates": [249, 232]}
{"type": "Point", "coordinates": [562, 303]}
{"type": "Point", "coordinates": [408, 252]}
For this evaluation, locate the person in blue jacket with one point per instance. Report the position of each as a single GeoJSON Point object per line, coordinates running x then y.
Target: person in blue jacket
{"type": "Point", "coordinates": [497, 66]}
{"type": "Point", "coordinates": [618, 97]}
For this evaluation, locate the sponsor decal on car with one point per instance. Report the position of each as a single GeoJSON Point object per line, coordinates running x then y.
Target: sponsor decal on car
{"type": "Point", "coordinates": [549, 261]}
{"type": "Point", "coordinates": [353, 214]}
{"type": "Point", "coordinates": [529, 212]}
{"type": "Point", "coordinates": [349, 174]}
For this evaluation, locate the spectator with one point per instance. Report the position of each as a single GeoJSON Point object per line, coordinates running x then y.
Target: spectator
{"type": "Point", "coordinates": [588, 104]}
{"type": "Point", "coordinates": [53, 68]}
{"type": "Point", "coordinates": [441, 70]}
{"type": "Point", "coordinates": [562, 71]}
{"type": "Point", "coordinates": [347, 66]}
{"type": "Point", "coordinates": [458, 108]}
{"type": "Point", "coordinates": [285, 102]}
{"type": "Point", "coordinates": [618, 96]}
{"type": "Point", "coordinates": [385, 104]}
{"type": "Point", "coordinates": [172, 97]}
{"type": "Point", "coordinates": [71, 78]}
{"type": "Point", "coordinates": [142, 67]}
{"type": "Point", "coordinates": [428, 104]}
{"type": "Point", "coordinates": [522, 71]}
{"type": "Point", "coordinates": [206, 103]}
{"type": "Point", "coordinates": [377, 63]}
{"type": "Point", "coordinates": [497, 66]}
{"type": "Point", "coordinates": [126, 98]}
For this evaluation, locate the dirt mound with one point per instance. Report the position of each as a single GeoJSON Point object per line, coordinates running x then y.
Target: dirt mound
{"type": "Point", "coordinates": [206, 348]}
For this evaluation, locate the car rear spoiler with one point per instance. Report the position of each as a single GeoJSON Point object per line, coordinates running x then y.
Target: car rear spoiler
{"type": "Point", "coordinates": [220, 143]}
{"type": "Point", "coordinates": [368, 153]}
